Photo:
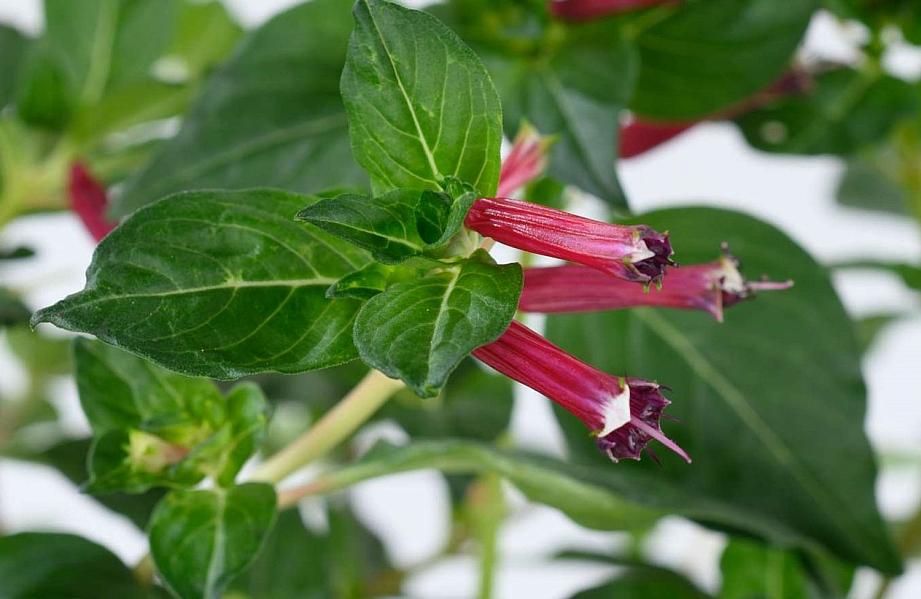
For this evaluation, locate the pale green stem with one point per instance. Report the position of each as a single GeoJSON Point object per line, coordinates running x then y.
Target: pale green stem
{"type": "Point", "coordinates": [333, 428]}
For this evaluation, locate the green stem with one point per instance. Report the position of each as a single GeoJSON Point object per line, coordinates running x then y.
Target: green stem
{"type": "Point", "coordinates": [486, 504]}
{"type": "Point", "coordinates": [333, 428]}
{"type": "Point", "coordinates": [908, 542]}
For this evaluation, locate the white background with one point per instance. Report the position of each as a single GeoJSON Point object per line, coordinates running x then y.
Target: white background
{"type": "Point", "coordinates": [710, 165]}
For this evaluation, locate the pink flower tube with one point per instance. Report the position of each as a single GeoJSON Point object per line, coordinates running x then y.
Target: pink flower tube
{"type": "Point", "coordinates": [622, 413]}
{"type": "Point", "coordinates": [634, 253]}
{"type": "Point", "coordinates": [711, 287]}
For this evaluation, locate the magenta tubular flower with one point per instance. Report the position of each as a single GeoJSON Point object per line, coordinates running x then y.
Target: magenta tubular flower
{"type": "Point", "coordinates": [622, 413]}
{"type": "Point", "coordinates": [634, 253]}
{"type": "Point", "coordinates": [525, 162]}
{"type": "Point", "coordinates": [88, 200]}
{"type": "Point", "coordinates": [710, 287]}
{"type": "Point", "coordinates": [587, 10]}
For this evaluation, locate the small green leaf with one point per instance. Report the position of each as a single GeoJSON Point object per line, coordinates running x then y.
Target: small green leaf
{"type": "Point", "coordinates": [421, 106]}
{"type": "Point", "coordinates": [201, 540]}
{"type": "Point", "coordinates": [205, 33]}
{"type": "Point", "coordinates": [845, 111]}
{"type": "Point", "coordinates": [869, 328]}
{"type": "Point", "coordinates": [909, 273]}
{"type": "Point", "coordinates": [708, 55]}
{"type": "Point", "coordinates": [46, 565]}
{"type": "Point", "coordinates": [256, 123]}
{"type": "Point", "coordinates": [419, 331]}
{"type": "Point", "coordinates": [154, 427]}
{"type": "Point", "coordinates": [220, 284]}
{"type": "Point", "coordinates": [367, 282]}
{"type": "Point", "coordinates": [395, 226]}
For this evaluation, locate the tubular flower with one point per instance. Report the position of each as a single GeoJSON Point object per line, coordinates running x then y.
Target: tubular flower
{"type": "Point", "coordinates": [587, 10]}
{"type": "Point", "coordinates": [525, 162]}
{"type": "Point", "coordinates": [88, 201]}
{"type": "Point", "coordinates": [634, 253]}
{"type": "Point", "coordinates": [570, 288]}
{"type": "Point", "coordinates": [622, 413]}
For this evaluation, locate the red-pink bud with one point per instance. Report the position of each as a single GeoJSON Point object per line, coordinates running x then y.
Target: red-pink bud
{"type": "Point", "coordinates": [587, 10]}
{"type": "Point", "coordinates": [570, 288]}
{"type": "Point", "coordinates": [638, 137]}
{"type": "Point", "coordinates": [634, 253]}
{"type": "Point", "coordinates": [623, 413]}
{"type": "Point", "coordinates": [526, 161]}
{"type": "Point", "coordinates": [88, 201]}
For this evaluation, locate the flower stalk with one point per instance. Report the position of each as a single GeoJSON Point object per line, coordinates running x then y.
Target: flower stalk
{"type": "Point", "coordinates": [622, 413]}
{"type": "Point", "coordinates": [335, 426]}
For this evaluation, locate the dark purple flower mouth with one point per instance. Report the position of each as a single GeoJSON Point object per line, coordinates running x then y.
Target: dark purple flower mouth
{"type": "Point", "coordinates": [653, 267]}
{"type": "Point", "coordinates": [629, 440]}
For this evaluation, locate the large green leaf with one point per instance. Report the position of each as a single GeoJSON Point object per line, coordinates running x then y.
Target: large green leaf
{"type": "Point", "coordinates": [771, 403]}
{"type": "Point", "coordinates": [578, 94]}
{"type": "Point", "coordinates": [201, 540]}
{"type": "Point", "coordinates": [51, 565]}
{"type": "Point", "coordinates": [271, 116]}
{"type": "Point", "coordinates": [421, 106]}
{"type": "Point", "coordinates": [419, 331]}
{"type": "Point", "coordinates": [218, 284]}
{"type": "Point", "coordinates": [710, 54]}
{"type": "Point", "coordinates": [845, 111]}
{"type": "Point", "coordinates": [12, 48]}
{"type": "Point", "coordinates": [154, 427]}
{"type": "Point", "coordinates": [90, 49]}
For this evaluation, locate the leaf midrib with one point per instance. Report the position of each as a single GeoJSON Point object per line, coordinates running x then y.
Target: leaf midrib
{"type": "Point", "coordinates": [409, 105]}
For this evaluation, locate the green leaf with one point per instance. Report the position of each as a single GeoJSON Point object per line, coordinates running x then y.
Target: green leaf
{"type": "Point", "coordinates": [395, 226]}
{"type": "Point", "coordinates": [754, 571]}
{"type": "Point", "coordinates": [871, 181]}
{"type": "Point", "coordinates": [645, 584]}
{"type": "Point", "coordinates": [218, 284]}
{"type": "Point", "coordinates": [257, 123]}
{"type": "Point", "coordinates": [578, 95]}
{"type": "Point", "coordinates": [419, 331]}
{"type": "Point", "coordinates": [846, 110]}
{"type": "Point", "coordinates": [70, 459]}
{"type": "Point", "coordinates": [765, 428]}
{"type": "Point", "coordinates": [205, 34]}
{"type": "Point", "coordinates": [93, 48]}
{"type": "Point", "coordinates": [421, 105]}
{"type": "Point", "coordinates": [345, 561]}
{"type": "Point", "coordinates": [366, 282]}
{"type": "Point", "coordinates": [16, 253]}
{"type": "Point", "coordinates": [12, 50]}
{"type": "Point", "coordinates": [12, 310]}
{"type": "Point", "coordinates": [61, 565]}
{"type": "Point", "coordinates": [201, 540]}
{"type": "Point", "coordinates": [153, 427]}
{"type": "Point", "coordinates": [708, 55]}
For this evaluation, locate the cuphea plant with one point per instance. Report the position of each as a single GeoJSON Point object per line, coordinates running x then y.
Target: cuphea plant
{"type": "Point", "coordinates": [342, 224]}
